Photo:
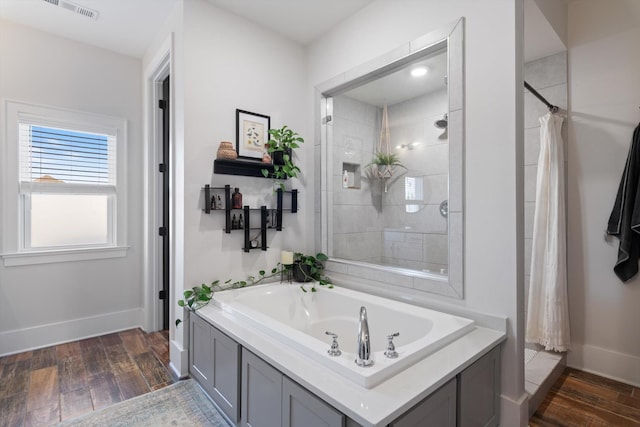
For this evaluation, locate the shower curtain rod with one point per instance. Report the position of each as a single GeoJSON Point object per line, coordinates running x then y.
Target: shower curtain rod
{"type": "Point", "coordinates": [535, 93]}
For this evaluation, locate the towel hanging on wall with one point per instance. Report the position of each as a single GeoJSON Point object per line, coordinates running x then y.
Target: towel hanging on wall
{"type": "Point", "coordinates": [624, 222]}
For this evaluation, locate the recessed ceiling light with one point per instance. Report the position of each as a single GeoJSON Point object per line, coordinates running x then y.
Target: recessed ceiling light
{"type": "Point", "coordinates": [419, 71]}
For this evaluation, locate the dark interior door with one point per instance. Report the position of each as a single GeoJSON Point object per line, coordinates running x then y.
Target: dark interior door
{"type": "Point", "coordinates": [164, 169]}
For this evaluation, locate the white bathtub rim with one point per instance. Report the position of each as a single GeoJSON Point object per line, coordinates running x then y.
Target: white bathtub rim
{"type": "Point", "coordinates": [373, 407]}
{"type": "Point", "coordinates": [309, 346]}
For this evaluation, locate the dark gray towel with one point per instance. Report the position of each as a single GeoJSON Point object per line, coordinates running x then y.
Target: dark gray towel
{"type": "Point", "coordinates": [624, 221]}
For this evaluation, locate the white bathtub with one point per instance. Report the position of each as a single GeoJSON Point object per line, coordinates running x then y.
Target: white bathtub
{"type": "Point", "coordinates": [299, 320]}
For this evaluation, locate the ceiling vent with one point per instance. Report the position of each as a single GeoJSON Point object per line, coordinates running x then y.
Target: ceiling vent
{"type": "Point", "coordinates": [75, 8]}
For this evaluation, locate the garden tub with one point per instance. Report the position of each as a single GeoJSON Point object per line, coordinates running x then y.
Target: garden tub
{"type": "Point", "coordinates": [299, 320]}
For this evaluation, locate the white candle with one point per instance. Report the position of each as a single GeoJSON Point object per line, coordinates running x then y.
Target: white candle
{"type": "Point", "coordinates": [286, 258]}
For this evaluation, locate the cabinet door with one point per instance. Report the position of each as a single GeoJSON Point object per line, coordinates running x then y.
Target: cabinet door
{"type": "Point", "coordinates": [261, 404]}
{"type": "Point", "coordinates": [303, 409]}
{"type": "Point", "coordinates": [438, 410]}
{"type": "Point", "coordinates": [479, 395]}
{"type": "Point", "coordinates": [226, 374]}
{"type": "Point", "coordinates": [201, 352]}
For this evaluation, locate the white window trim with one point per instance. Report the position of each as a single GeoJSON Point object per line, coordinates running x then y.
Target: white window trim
{"type": "Point", "coordinates": [13, 253]}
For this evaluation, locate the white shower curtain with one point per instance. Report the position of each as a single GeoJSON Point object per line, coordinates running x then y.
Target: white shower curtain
{"type": "Point", "coordinates": [548, 309]}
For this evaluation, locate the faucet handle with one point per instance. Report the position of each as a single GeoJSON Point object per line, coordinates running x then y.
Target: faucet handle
{"type": "Point", "coordinates": [334, 351]}
{"type": "Point", "coordinates": [391, 352]}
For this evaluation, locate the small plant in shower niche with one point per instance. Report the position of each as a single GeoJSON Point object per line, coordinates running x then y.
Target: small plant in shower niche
{"type": "Point", "coordinates": [280, 146]}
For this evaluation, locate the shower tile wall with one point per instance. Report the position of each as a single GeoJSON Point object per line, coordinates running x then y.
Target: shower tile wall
{"type": "Point", "coordinates": [357, 222]}
{"type": "Point", "coordinates": [371, 225]}
{"type": "Point", "coordinates": [415, 233]}
{"type": "Point", "coordinates": [548, 76]}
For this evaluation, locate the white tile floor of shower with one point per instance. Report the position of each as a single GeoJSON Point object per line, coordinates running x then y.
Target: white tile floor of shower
{"type": "Point", "coordinates": [541, 370]}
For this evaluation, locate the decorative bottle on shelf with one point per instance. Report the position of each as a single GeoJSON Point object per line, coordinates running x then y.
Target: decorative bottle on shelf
{"type": "Point", "coordinates": [213, 203]}
{"type": "Point", "coordinates": [240, 222]}
{"type": "Point", "coordinates": [236, 199]}
{"type": "Point", "coordinates": [345, 179]}
{"type": "Point", "coordinates": [219, 203]}
{"type": "Point", "coordinates": [234, 222]}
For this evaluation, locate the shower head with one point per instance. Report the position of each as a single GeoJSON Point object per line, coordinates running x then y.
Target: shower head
{"type": "Point", "coordinates": [442, 123]}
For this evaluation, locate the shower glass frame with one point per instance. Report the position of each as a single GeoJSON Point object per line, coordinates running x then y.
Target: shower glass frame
{"type": "Point", "coordinates": [450, 37]}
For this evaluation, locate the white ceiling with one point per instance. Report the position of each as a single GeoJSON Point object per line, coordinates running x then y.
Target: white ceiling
{"type": "Point", "coordinates": [300, 20]}
{"type": "Point", "coordinates": [400, 86]}
{"type": "Point", "coordinates": [540, 39]}
{"type": "Point", "coordinates": [124, 26]}
{"type": "Point", "coordinates": [129, 26]}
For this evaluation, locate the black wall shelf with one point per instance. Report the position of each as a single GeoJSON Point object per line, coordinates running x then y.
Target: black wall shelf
{"type": "Point", "coordinates": [209, 192]}
{"type": "Point", "coordinates": [241, 167]}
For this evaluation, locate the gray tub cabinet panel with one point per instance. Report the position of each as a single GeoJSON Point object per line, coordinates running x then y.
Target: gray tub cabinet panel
{"type": "Point", "coordinates": [478, 392]}
{"type": "Point", "coordinates": [201, 352]}
{"type": "Point", "coordinates": [303, 409]}
{"type": "Point", "coordinates": [438, 410]}
{"type": "Point", "coordinates": [214, 361]}
{"type": "Point", "coordinates": [226, 374]}
{"type": "Point", "coordinates": [252, 393]}
{"type": "Point", "coordinates": [261, 393]}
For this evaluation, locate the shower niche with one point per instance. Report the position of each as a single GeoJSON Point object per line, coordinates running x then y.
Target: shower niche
{"type": "Point", "coordinates": [351, 175]}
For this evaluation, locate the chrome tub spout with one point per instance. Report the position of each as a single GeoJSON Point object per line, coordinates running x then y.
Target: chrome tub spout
{"type": "Point", "coordinates": [364, 346]}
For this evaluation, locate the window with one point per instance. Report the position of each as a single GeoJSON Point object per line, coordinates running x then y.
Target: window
{"type": "Point", "coordinates": [70, 184]}
{"type": "Point", "coordinates": [413, 192]}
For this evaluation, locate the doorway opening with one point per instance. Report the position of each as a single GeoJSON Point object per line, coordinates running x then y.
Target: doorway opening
{"type": "Point", "coordinates": [163, 170]}
{"type": "Point", "coordinates": [158, 206]}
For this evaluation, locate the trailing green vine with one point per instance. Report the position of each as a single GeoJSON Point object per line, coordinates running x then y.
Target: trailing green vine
{"type": "Point", "coordinates": [199, 296]}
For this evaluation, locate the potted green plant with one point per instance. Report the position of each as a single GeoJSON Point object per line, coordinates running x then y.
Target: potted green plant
{"type": "Point", "coordinates": [280, 147]}
{"type": "Point", "coordinates": [385, 162]}
{"type": "Point", "coordinates": [307, 268]}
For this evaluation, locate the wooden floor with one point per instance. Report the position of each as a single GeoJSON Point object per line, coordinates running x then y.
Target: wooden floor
{"type": "Point", "coordinates": [43, 387]}
{"type": "Point", "coordinates": [582, 399]}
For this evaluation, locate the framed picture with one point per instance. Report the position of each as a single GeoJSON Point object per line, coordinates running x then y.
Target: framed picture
{"type": "Point", "coordinates": [252, 134]}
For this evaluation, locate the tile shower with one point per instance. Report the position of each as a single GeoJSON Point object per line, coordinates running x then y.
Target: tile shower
{"type": "Point", "coordinates": [548, 76]}
{"type": "Point", "coordinates": [403, 226]}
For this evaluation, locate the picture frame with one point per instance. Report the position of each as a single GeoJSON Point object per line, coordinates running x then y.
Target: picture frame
{"type": "Point", "coordinates": [252, 134]}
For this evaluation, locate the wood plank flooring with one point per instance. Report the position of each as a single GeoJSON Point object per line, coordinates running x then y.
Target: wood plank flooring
{"type": "Point", "coordinates": [581, 399]}
{"type": "Point", "coordinates": [43, 387]}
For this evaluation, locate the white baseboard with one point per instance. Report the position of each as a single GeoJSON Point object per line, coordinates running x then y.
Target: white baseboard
{"type": "Point", "coordinates": [179, 357]}
{"type": "Point", "coordinates": [606, 363]}
{"type": "Point", "coordinates": [35, 337]}
{"type": "Point", "coordinates": [514, 412]}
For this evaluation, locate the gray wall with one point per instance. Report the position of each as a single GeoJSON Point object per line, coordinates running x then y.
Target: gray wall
{"type": "Point", "coordinates": [357, 217]}
{"type": "Point", "coordinates": [423, 246]}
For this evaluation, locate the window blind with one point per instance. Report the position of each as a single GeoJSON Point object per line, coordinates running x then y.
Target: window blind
{"type": "Point", "coordinates": [413, 188]}
{"type": "Point", "coordinates": [56, 155]}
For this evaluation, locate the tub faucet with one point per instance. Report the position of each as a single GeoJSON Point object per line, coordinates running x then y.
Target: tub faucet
{"type": "Point", "coordinates": [364, 347]}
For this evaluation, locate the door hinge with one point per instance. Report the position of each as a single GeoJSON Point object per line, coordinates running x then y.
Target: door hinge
{"type": "Point", "coordinates": [162, 104]}
{"type": "Point", "coordinates": [162, 294]}
{"type": "Point", "coordinates": [326, 119]}
{"type": "Point", "coordinates": [162, 231]}
{"type": "Point", "coordinates": [162, 167]}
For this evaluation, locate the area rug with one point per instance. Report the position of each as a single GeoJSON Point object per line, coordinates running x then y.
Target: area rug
{"type": "Point", "coordinates": [180, 404]}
